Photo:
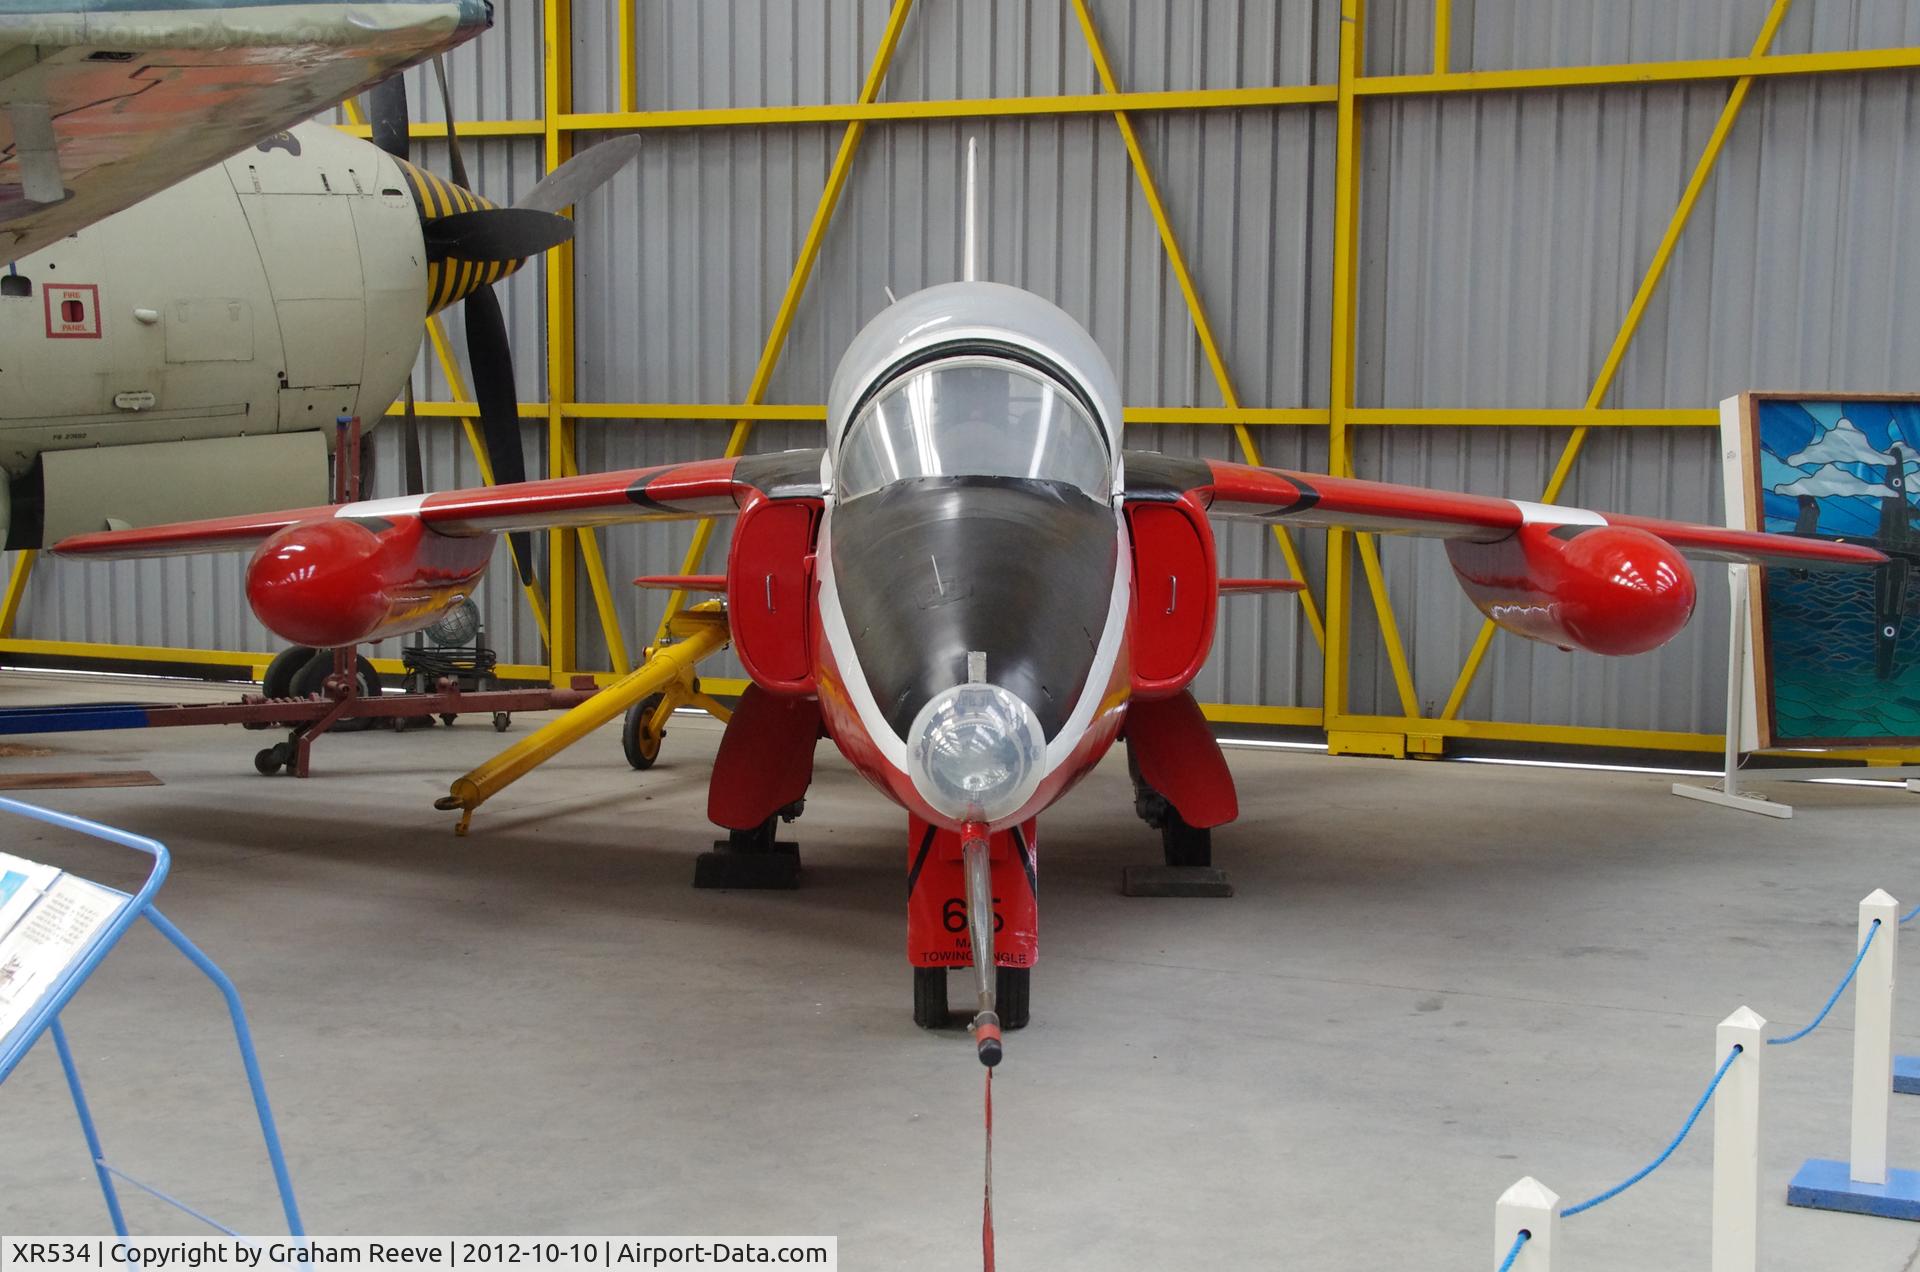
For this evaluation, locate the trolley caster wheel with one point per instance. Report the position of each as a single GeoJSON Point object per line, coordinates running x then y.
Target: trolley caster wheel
{"type": "Point", "coordinates": [930, 997]}
{"type": "Point", "coordinates": [500, 721]}
{"type": "Point", "coordinates": [641, 748]}
{"type": "Point", "coordinates": [447, 718]}
{"type": "Point", "coordinates": [1013, 996]}
{"type": "Point", "coordinates": [1185, 845]}
{"type": "Point", "coordinates": [272, 759]}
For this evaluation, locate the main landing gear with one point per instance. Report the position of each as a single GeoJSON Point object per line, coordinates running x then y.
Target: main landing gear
{"type": "Point", "coordinates": [755, 858]}
{"type": "Point", "coordinates": [1186, 850]}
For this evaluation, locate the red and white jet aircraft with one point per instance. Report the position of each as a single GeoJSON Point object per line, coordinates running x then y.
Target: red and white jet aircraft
{"type": "Point", "coordinates": [974, 590]}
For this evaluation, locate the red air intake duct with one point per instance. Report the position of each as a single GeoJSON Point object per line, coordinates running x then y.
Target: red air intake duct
{"type": "Point", "coordinates": [1604, 589]}
{"type": "Point", "coordinates": [340, 580]}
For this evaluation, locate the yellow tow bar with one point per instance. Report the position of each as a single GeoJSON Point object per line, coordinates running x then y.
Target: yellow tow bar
{"type": "Point", "coordinates": [668, 670]}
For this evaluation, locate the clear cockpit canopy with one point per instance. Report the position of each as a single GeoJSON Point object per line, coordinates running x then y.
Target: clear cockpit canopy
{"type": "Point", "coordinates": [973, 416]}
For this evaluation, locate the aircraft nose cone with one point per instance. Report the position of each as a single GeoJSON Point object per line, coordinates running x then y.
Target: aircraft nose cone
{"type": "Point", "coordinates": [976, 752]}
{"type": "Point", "coordinates": [314, 583]}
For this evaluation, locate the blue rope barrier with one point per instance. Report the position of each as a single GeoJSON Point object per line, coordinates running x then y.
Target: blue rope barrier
{"type": "Point", "coordinates": [1908, 917]}
{"type": "Point", "coordinates": [1838, 990]}
{"type": "Point", "coordinates": [1570, 1211]}
{"type": "Point", "coordinates": [1520, 1238]}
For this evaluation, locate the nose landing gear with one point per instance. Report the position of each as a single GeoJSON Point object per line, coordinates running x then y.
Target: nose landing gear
{"type": "Point", "coordinates": [942, 932]}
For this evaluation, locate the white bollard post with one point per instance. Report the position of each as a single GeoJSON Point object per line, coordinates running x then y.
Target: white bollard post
{"type": "Point", "coordinates": [1736, 1144]}
{"type": "Point", "coordinates": [1531, 1205]}
{"type": "Point", "coordinates": [1873, 1038]}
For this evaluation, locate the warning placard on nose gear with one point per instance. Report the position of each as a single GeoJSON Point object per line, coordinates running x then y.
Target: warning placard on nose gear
{"type": "Point", "coordinates": [937, 934]}
{"type": "Point", "coordinates": [73, 311]}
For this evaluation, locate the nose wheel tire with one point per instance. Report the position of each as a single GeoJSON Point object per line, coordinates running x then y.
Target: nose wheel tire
{"type": "Point", "coordinates": [642, 746]}
{"type": "Point", "coordinates": [311, 679]}
{"type": "Point", "coordinates": [277, 682]}
{"type": "Point", "coordinates": [1012, 992]}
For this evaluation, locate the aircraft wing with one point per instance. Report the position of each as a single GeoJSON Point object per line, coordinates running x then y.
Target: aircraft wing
{"type": "Point", "coordinates": [704, 488]}
{"type": "Point", "coordinates": [104, 102]}
{"type": "Point", "coordinates": [1271, 494]}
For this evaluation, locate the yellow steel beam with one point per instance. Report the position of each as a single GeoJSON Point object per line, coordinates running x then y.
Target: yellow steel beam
{"type": "Point", "coordinates": [1240, 713]}
{"type": "Point", "coordinates": [630, 118]}
{"type": "Point", "coordinates": [1758, 63]}
{"type": "Point", "coordinates": [703, 632]}
{"type": "Point", "coordinates": [1630, 324]}
{"type": "Point", "coordinates": [1442, 35]}
{"type": "Point", "coordinates": [1336, 668]}
{"type": "Point", "coordinates": [776, 341]}
{"type": "Point", "coordinates": [562, 544]}
{"type": "Point", "coordinates": [1177, 261]}
{"type": "Point", "coordinates": [16, 591]}
{"type": "Point", "coordinates": [1536, 417]}
{"type": "Point", "coordinates": [875, 111]}
{"type": "Point", "coordinates": [438, 131]}
{"type": "Point", "coordinates": [1259, 416]}
{"type": "Point", "coordinates": [629, 56]}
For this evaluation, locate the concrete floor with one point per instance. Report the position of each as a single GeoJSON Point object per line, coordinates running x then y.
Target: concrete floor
{"type": "Point", "coordinates": [1435, 978]}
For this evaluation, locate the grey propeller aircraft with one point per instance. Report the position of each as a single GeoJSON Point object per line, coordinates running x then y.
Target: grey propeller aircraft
{"type": "Point", "coordinates": [139, 386]}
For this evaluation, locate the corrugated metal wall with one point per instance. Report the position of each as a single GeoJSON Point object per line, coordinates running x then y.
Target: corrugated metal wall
{"type": "Point", "coordinates": [1502, 238]}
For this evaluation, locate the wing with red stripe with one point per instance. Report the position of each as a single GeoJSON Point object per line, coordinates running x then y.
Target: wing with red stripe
{"type": "Point", "coordinates": [1275, 495]}
{"type": "Point", "coordinates": [705, 488]}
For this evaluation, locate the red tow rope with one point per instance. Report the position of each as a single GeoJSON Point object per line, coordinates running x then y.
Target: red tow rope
{"type": "Point", "coordinates": [986, 1213]}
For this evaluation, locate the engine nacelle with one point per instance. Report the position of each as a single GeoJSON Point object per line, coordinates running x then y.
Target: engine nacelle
{"type": "Point", "coordinates": [339, 580]}
{"type": "Point", "coordinates": [1604, 589]}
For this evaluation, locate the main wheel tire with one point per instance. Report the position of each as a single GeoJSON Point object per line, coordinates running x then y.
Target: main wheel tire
{"type": "Point", "coordinates": [288, 663]}
{"type": "Point", "coordinates": [1185, 845]}
{"type": "Point", "coordinates": [930, 997]}
{"type": "Point", "coordinates": [641, 749]}
{"type": "Point", "coordinates": [1013, 996]}
{"type": "Point", "coordinates": [312, 678]}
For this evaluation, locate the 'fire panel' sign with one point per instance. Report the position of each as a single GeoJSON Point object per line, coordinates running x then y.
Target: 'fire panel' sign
{"type": "Point", "coordinates": [73, 311]}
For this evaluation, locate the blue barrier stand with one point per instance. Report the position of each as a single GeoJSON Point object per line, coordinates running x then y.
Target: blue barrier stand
{"type": "Point", "coordinates": [1906, 1069]}
{"type": "Point", "coordinates": [1826, 1184]}
{"type": "Point", "coordinates": [44, 1018]}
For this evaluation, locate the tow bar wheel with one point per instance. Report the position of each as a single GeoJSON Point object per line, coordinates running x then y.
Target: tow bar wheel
{"type": "Point", "coordinates": [638, 738]}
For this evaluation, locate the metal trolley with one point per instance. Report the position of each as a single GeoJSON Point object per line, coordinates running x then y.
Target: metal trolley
{"type": "Point", "coordinates": [44, 1018]}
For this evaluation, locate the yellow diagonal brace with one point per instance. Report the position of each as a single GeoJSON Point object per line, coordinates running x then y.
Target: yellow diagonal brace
{"type": "Point", "coordinates": [1656, 270]}
{"type": "Point", "coordinates": [797, 281]}
{"type": "Point", "coordinates": [457, 386]}
{"type": "Point", "coordinates": [16, 590]}
{"type": "Point", "coordinates": [598, 580]}
{"type": "Point", "coordinates": [1389, 625]}
{"type": "Point", "coordinates": [1177, 260]}
{"type": "Point", "coordinates": [703, 633]}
